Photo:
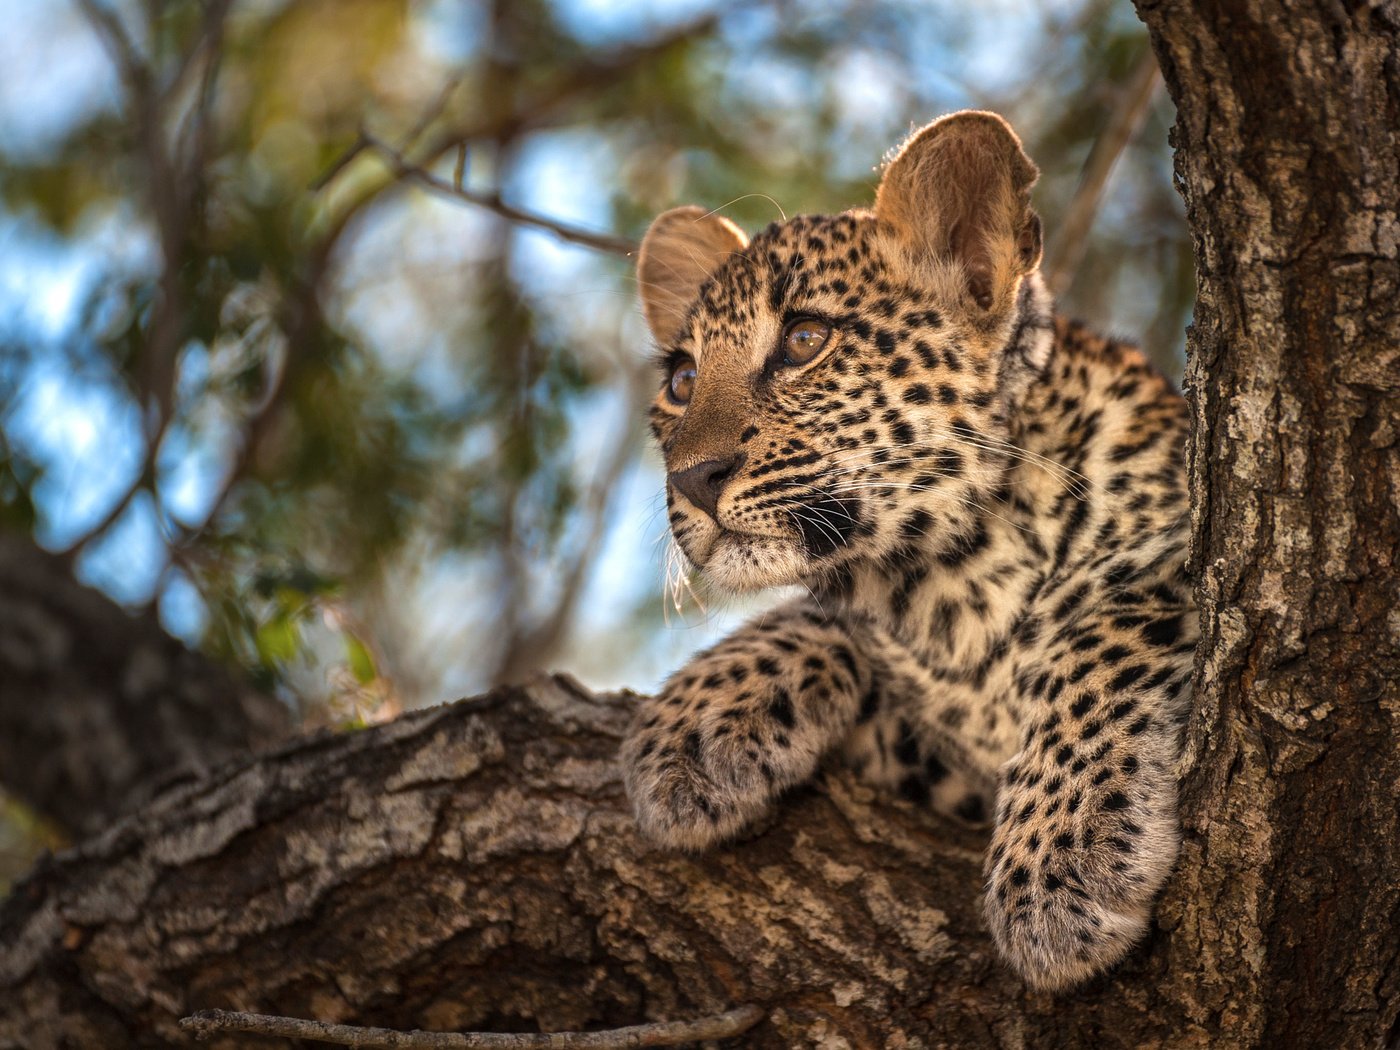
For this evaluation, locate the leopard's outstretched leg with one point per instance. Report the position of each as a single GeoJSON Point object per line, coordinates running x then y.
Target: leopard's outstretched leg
{"type": "Point", "coordinates": [740, 723]}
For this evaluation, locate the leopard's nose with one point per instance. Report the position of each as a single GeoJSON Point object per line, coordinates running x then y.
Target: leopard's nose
{"type": "Point", "coordinates": [702, 483]}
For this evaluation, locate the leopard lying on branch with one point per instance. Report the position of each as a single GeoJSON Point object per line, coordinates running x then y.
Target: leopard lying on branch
{"type": "Point", "coordinates": [986, 505]}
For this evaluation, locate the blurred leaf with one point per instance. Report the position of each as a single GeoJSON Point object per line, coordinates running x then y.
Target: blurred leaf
{"type": "Point", "coordinates": [24, 837]}
{"type": "Point", "coordinates": [361, 662]}
{"type": "Point", "coordinates": [278, 640]}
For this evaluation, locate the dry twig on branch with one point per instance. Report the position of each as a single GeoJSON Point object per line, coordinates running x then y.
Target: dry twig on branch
{"type": "Point", "coordinates": [207, 1023]}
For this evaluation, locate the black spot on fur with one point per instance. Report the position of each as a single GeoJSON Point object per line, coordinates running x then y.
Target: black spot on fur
{"type": "Point", "coordinates": [1163, 632]}
{"type": "Point", "coordinates": [1116, 801]}
{"type": "Point", "coordinates": [934, 770]}
{"type": "Point", "coordinates": [972, 809]}
{"type": "Point", "coordinates": [915, 789]}
{"type": "Point", "coordinates": [869, 704]}
{"type": "Point", "coordinates": [827, 524]}
{"type": "Point", "coordinates": [907, 748]}
{"type": "Point", "coordinates": [780, 707]}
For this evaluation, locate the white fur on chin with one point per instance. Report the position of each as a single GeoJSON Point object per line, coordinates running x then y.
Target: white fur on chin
{"type": "Point", "coordinates": [751, 563]}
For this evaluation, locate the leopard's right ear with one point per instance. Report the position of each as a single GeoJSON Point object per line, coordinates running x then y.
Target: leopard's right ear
{"type": "Point", "coordinates": [958, 192]}
{"type": "Point", "coordinates": [681, 249]}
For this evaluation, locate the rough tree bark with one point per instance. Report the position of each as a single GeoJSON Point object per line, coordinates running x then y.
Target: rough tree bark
{"type": "Point", "coordinates": [475, 866]}
{"type": "Point", "coordinates": [98, 708]}
{"type": "Point", "coordinates": [1287, 901]}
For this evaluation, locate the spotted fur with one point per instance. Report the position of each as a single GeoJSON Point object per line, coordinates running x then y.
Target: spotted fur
{"type": "Point", "coordinates": [985, 503]}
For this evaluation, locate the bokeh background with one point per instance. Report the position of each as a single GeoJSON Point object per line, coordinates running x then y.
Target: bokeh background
{"type": "Point", "coordinates": [318, 335]}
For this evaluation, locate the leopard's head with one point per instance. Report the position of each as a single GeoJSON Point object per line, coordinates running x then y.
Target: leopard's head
{"type": "Point", "coordinates": [832, 389]}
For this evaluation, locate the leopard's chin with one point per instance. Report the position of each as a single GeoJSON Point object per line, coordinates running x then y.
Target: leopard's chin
{"type": "Point", "coordinates": [740, 563]}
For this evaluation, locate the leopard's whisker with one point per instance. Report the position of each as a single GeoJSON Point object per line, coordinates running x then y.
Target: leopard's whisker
{"type": "Point", "coordinates": [683, 577]}
{"type": "Point", "coordinates": [980, 441]}
{"type": "Point", "coordinates": [913, 487]}
{"type": "Point", "coordinates": [841, 541]}
{"type": "Point", "coordinates": [1066, 477]}
{"type": "Point", "coordinates": [806, 505]}
{"type": "Point", "coordinates": [667, 586]}
{"type": "Point", "coordinates": [745, 196]}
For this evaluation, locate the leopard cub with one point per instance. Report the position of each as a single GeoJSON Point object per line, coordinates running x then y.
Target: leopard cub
{"type": "Point", "coordinates": [986, 505]}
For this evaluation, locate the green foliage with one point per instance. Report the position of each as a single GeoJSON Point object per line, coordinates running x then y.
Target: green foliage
{"type": "Point", "coordinates": [361, 660]}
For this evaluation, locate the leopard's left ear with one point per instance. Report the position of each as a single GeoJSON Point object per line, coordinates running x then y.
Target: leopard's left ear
{"type": "Point", "coordinates": [958, 192]}
{"type": "Point", "coordinates": [681, 249]}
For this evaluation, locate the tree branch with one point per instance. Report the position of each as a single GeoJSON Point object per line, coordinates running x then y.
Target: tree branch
{"type": "Point", "coordinates": [340, 163]}
{"type": "Point", "coordinates": [602, 242]}
{"type": "Point", "coordinates": [145, 478]}
{"type": "Point", "coordinates": [665, 1033]}
{"type": "Point", "coordinates": [1069, 246]}
{"type": "Point", "coordinates": [475, 867]}
{"type": "Point", "coordinates": [99, 707]}
{"type": "Point", "coordinates": [208, 43]}
{"type": "Point", "coordinates": [583, 80]}
{"type": "Point", "coordinates": [173, 192]}
{"type": "Point", "coordinates": [534, 111]}
{"type": "Point", "coordinates": [115, 39]}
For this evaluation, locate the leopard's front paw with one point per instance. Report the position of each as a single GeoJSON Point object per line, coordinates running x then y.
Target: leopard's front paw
{"type": "Point", "coordinates": [694, 781]}
{"type": "Point", "coordinates": [1069, 896]}
{"type": "Point", "coordinates": [689, 793]}
{"type": "Point", "coordinates": [1054, 933]}
{"type": "Point", "coordinates": [702, 764]}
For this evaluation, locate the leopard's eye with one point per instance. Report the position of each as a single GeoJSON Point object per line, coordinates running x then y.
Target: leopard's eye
{"type": "Point", "coordinates": [682, 381]}
{"type": "Point", "coordinates": [803, 340]}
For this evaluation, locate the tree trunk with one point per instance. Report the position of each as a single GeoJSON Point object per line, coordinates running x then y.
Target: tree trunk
{"type": "Point", "coordinates": [475, 866]}
{"type": "Point", "coordinates": [99, 708]}
{"type": "Point", "coordinates": [1287, 900]}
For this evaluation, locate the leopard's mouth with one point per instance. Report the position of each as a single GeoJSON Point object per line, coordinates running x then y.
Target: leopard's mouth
{"type": "Point", "coordinates": [745, 561]}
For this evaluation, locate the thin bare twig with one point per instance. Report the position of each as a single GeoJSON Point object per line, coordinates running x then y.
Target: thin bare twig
{"type": "Point", "coordinates": [210, 42]}
{"type": "Point", "coordinates": [670, 1033]}
{"type": "Point", "coordinates": [339, 164]}
{"type": "Point", "coordinates": [551, 102]}
{"type": "Point", "coordinates": [602, 242]}
{"type": "Point", "coordinates": [430, 115]}
{"type": "Point", "coordinates": [115, 39]}
{"type": "Point", "coordinates": [528, 650]}
{"type": "Point", "coordinates": [172, 203]}
{"type": "Point", "coordinates": [459, 170]}
{"type": "Point", "coordinates": [1067, 251]}
{"type": "Point", "coordinates": [535, 111]}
